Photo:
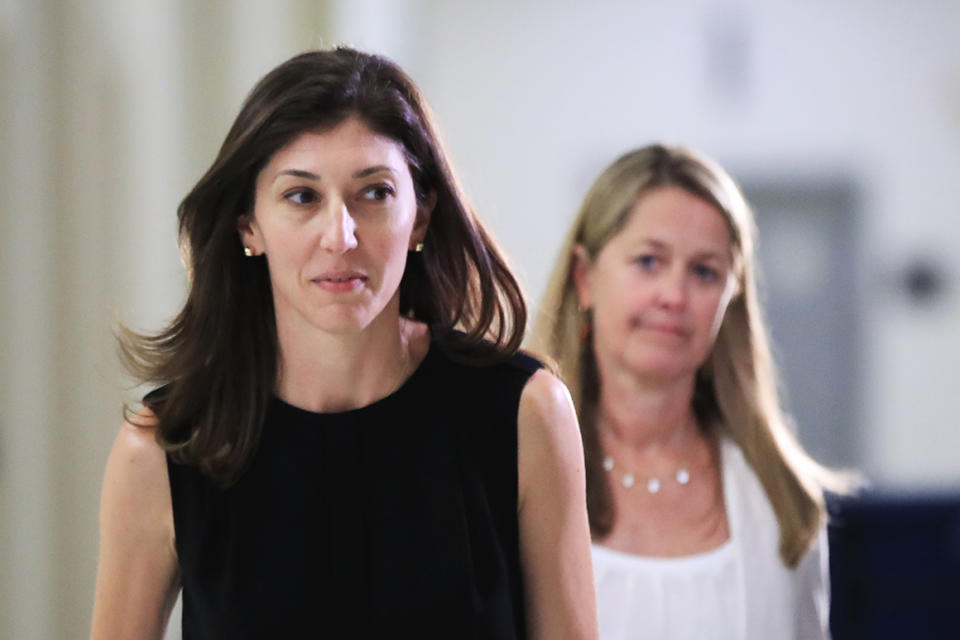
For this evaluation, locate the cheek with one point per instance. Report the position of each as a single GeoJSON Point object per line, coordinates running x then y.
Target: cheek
{"type": "Point", "coordinates": [390, 251]}
{"type": "Point", "coordinates": [615, 288]}
{"type": "Point", "coordinates": [284, 248]}
{"type": "Point", "coordinates": [610, 301]}
{"type": "Point", "coordinates": [617, 311]}
{"type": "Point", "coordinates": [392, 238]}
{"type": "Point", "coordinates": [397, 246]}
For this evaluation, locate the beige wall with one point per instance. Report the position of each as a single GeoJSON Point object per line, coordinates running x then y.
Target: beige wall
{"type": "Point", "coordinates": [110, 109]}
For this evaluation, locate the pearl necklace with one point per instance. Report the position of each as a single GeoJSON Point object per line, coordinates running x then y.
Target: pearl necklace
{"type": "Point", "coordinates": [682, 476]}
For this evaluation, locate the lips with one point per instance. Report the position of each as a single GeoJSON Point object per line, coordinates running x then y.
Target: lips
{"type": "Point", "coordinates": [670, 329]}
{"type": "Point", "coordinates": [340, 281]}
{"type": "Point", "coordinates": [666, 328]}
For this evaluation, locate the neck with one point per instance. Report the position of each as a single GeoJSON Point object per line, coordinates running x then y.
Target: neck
{"type": "Point", "coordinates": [328, 372]}
{"type": "Point", "coordinates": [646, 416]}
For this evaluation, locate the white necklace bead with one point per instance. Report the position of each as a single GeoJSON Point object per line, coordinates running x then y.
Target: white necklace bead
{"type": "Point", "coordinates": [654, 484]}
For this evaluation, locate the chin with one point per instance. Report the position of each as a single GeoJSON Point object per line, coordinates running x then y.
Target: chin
{"type": "Point", "coordinates": [659, 363]}
{"type": "Point", "coordinates": [343, 321]}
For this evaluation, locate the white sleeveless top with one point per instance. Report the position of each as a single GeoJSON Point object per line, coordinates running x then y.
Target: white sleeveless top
{"type": "Point", "coordinates": [738, 591]}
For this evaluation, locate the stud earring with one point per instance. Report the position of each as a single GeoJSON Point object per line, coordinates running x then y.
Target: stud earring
{"type": "Point", "coordinates": [247, 251]}
{"type": "Point", "coordinates": [418, 248]}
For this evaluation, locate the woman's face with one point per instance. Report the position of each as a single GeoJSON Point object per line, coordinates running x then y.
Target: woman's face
{"type": "Point", "coordinates": [659, 289]}
{"type": "Point", "coordinates": [335, 213]}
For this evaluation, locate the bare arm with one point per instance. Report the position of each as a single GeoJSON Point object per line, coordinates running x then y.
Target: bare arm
{"type": "Point", "coordinates": [554, 532]}
{"type": "Point", "coordinates": [137, 577]}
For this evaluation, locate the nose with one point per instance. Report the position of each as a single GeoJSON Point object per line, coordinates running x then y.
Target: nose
{"type": "Point", "coordinates": [672, 292]}
{"type": "Point", "coordinates": [339, 230]}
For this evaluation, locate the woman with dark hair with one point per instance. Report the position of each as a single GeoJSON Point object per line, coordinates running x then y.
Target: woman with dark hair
{"type": "Point", "coordinates": [344, 440]}
{"type": "Point", "coordinates": [707, 515]}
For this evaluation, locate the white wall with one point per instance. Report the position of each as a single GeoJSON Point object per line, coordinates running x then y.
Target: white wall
{"type": "Point", "coordinates": [536, 97]}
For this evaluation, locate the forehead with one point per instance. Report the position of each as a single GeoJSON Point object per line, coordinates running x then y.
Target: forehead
{"type": "Point", "coordinates": [673, 216]}
{"type": "Point", "coordinates": [350, 145]}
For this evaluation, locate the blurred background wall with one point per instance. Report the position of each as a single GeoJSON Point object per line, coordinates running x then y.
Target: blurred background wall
{"type": "Point", "coordinates": [841, 119]}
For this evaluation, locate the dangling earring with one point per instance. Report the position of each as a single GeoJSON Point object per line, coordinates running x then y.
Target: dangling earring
{"type": "Point", "coordinates": [586, 322]}
{"type": "Point", "coordinates": [247, 251]}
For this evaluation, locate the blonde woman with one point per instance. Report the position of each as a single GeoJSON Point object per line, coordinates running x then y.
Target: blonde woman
{"type": "Point", "coordinates": [707, 515]}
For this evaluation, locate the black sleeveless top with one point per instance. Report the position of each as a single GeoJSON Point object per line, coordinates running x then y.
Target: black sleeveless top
{"type": "Point", "coordinates": [395, 520]}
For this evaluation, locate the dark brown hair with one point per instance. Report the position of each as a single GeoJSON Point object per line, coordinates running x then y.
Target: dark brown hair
{"type": "Point", "coordinates": [217, 361]}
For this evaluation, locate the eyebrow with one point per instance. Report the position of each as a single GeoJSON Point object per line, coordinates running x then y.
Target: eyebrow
{"type": "Point", "coordinates": [309, 175]}
{"type": "Point", "coordinates": [298, 173]}
{"type": "Point", "coordinates": [363, 173]}
{"type": "Point", "coordinates": [701, 255]}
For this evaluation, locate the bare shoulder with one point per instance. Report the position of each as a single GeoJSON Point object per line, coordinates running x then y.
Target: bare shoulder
{"type": "Point", "coordinates": [546, 409]}
{"type": "Point", "coordinates": [546, 391]}
{"type": "Point", "coordinates": [549, 444]}
{"type": "Point", "coordinates": [551, 503]}
{"type": "Point", "coordinates": [136, 456]}
{"type": "Point", "coordinates": [137, 575]}
{"type": "Point", "coordinates": [135, 485]}
{"type": "Point", "coordinates": [138, 434]}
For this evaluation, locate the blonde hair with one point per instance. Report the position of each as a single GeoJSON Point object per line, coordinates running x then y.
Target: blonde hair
{"type": "Point", "coordinates": [735, 390]}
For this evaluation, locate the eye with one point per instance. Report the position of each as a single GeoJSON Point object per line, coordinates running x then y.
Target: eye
{"type": "Point", "coordinates": [647, 261]}
{"type": "Point", "coordinates": [706, 273]}
{"type": "Point", "coordinates": [301, 196]}
{"type": "Point", "coordinates": [377, 192]}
